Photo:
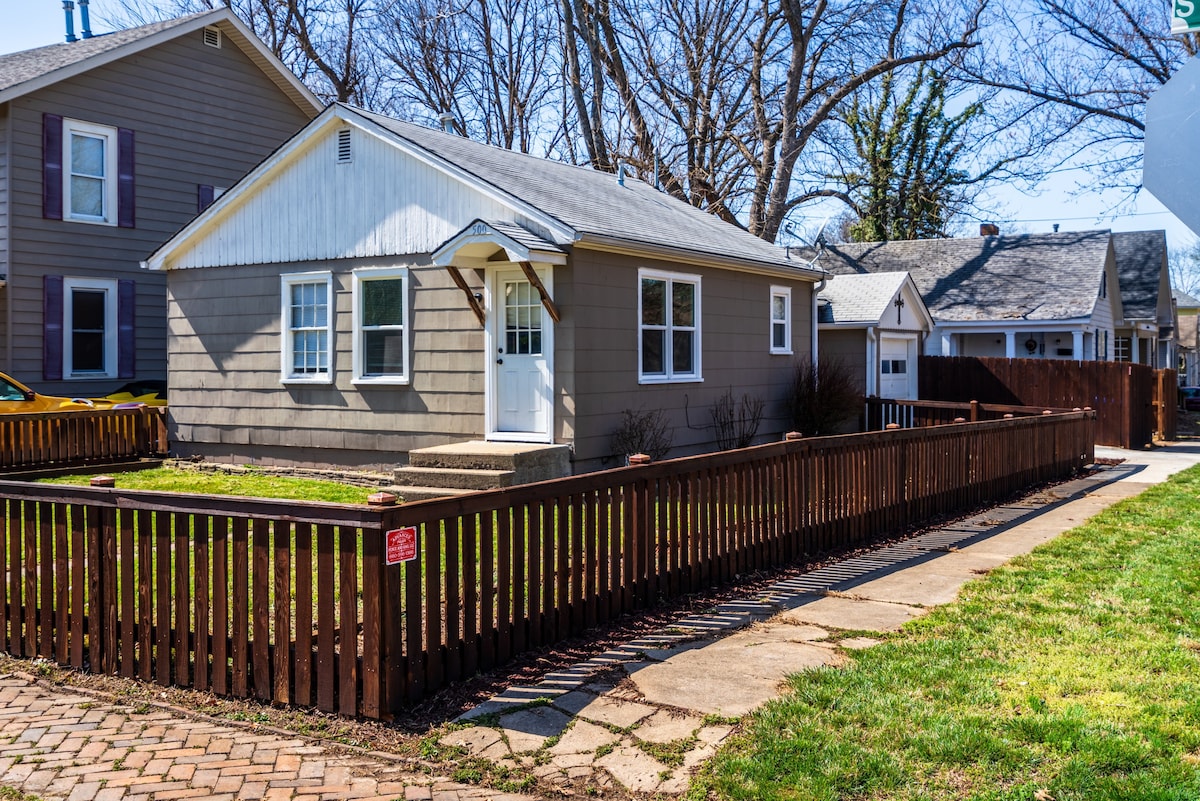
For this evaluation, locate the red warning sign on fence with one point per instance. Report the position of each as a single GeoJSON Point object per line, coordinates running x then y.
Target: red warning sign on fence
{"type": "Point", "coordinates": [401, 545]}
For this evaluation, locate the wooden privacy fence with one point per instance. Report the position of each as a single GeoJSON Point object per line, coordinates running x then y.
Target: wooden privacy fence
{"type": "Point", "coordinates": [881, 412]}
{"type": "Point", "coordinates": [62, 439]}
{"type": "Point", "coordinates": [294, 602]}
{"type": "Point", "coordinates": [1127, 397]}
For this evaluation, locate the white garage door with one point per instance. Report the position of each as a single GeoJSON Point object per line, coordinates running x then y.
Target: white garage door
{"type": "Point", "coordinates": [895, 379]}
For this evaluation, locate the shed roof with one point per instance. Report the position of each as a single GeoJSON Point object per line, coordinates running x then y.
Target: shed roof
{"type": "Point", "coordinates": [1021, 277]}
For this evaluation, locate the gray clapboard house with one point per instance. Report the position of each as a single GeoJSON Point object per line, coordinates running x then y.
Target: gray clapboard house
{"type": "Point", "coordinates": [108, 145]}
{"type": "Point", "coordinates": [1051, 296]}
{"type": "Point", "coordinates": [376, 287]}
{"type": "Point", "coordinates": [1147, 332]}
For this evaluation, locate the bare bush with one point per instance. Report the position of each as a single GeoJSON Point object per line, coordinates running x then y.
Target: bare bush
{"type": "Point", "coordinates": [736, 422]}
{"type": "Point", "coordinates": [642, 431]}
{"type": "Point", "coordinates": [823, 396]}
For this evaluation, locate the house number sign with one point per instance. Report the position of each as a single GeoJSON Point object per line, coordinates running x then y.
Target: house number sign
{"type": "Point", "coordinates": [400, 545]}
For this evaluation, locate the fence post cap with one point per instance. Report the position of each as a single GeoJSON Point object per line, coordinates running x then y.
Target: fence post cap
{"type": "Point", "coordinates": [1077, 409]}
{"type": "Point", "coordinates": [103, 481]}
{"type": "Point", "coordinates": [792, 435]}
{"type": "Point", "coordinates": [1047, 411]}
{"type": "Point", "coordinates": [639, 458]}
{"type": "Point", "coordinates": [1008, 416]}
{"type": "Point", "coordinates": [892, 426]}
{"type": "Point", "coordinates": [960, 419]}
{"type": "Point", "coordinates": [382, 499]}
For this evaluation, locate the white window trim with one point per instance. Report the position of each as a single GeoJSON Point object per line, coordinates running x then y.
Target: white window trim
{"type": "Point", "coordinates": [109, 135]}
{"type": "Point", "coordinates": [287, 351]}
{"type": "Point", "coordinates": [110, 326]}
{"type": "Point", "coordinates": [671, 377]}
{"type": "Point", "coordinates": [784, 292]}
{"type": "Point", "coordinates": [374, 274]}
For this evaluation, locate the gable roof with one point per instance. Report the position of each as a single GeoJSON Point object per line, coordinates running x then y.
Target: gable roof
{"type": "Point", "coordinates": [576, 206]}
{"type": "Point", "coordinates": [29, 70]}
{"type": "Point", "coordinates": [1183, 300]}
{"type": "Point", "coordinates": [861, 298]}
{"type": "Point", "coordinates": [1141, 258]}
{"type": "Point", "coordinates": [1019, 277]}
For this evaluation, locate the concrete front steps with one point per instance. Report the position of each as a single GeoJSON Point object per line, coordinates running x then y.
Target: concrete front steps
{"type": "Point", "coordinates": [472, 466]}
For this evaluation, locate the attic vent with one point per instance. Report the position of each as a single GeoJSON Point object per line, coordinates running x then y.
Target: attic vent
{"type": "Point", "coordinates": [344, 153]}
{"type": "Point", "coordinates": [212, 37]}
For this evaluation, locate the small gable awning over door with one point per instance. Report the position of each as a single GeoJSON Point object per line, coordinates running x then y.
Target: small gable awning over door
{"type": "Point", "coordinates": [486, 242]}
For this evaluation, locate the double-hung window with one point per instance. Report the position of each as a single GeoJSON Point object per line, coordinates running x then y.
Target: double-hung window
{"type": "Point", "coordinates": [307, 317]}
{"type": "Point", "coordinates": [90, 167]}
{"type": "Point", "coordinates": [781, 319]}
{"type": "Point", "coordinates": [381, 326]}
{"type": "Point", "coordinates": [669, 326]}
{"type": "Point", "coordinates": [90, 323]}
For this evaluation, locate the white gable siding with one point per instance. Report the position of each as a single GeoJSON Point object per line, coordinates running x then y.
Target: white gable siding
{"type": "Point", "coordinates": [383, 202]}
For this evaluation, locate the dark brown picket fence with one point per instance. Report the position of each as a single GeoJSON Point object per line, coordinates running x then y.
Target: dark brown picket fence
{"type": "Point", "coordinates": [62, 439]}
{"type": "Point", "coordinates": [295, 603]}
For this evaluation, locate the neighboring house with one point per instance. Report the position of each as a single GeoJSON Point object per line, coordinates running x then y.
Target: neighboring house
{"type": "Point", "coordinates": [376, 287]}
{"type": "Point", "coordinates": [1146, 335]}
{"type": "Point", "coordinates": [875, 324]}
{"type": "Point", "coordinates": [109, 145]}
{"type": "Point", "coordinates": [1187, 310]}
{"type": "Point", "coordinates": [1047, 296]}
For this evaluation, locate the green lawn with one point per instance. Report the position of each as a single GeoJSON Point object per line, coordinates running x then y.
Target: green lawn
{"type": "Point", "coordinates": [1072, 674]}
{"type": "Point", "coordinates": [250, 484]}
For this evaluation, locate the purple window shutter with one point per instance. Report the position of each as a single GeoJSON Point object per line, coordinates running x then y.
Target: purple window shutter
{"type": "Point", "coordinates": [126, 331]}
{"type": "Point", "coordinates": [204, 197]}
{"type": "Point", "coordinates": [52, 166]}
{"type": "Point", "coordinates": [52, 328]}
{"type": "Point", "coordinates": [125, 186]}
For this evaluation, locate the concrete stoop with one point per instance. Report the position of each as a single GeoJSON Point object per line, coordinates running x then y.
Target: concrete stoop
{"type": "Point", "coordinates": [466, 467]}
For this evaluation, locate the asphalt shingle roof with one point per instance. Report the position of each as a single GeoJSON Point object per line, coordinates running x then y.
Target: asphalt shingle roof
{"type": "Point", "coordinates": [591, 202]}
{"type": "Point", "coordinates": [859, 298]}
{"type": "Point", "coordinates": [1184, 301]}
{"type": "Point", "coordinates": [1141, 257]}
{"type": "Point", "coordinates": [26, 65]}
{"type": "Point", "coordinates": [1029, 276]}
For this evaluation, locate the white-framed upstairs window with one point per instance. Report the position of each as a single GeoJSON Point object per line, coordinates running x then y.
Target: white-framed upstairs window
{"type": "Point", "coordinates": [668, 327]}
{"type": "Point", "coordinates": [89, 328]}
{"type": "Point", "coordinates": [381, 312]}
{"type": "Point", "coordinates": [307, 316]}
{"type": "Point", "coordinates": [781, 319]}
{"type": "Point", "coordinates": [89, 172]}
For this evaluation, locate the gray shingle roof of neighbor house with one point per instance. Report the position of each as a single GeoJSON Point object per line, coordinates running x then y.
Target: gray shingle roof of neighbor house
{"type": "Point", "coordinates": [858, 298]}
{"type": "Point", "coordinates": [1141, 258]}
{"type": "Point", "coordinates": [593, 203]}
{"type": "Point", "coordinates": [1027, 276]}
{"type": "Point", "coordinates": [1184, 301]}
{"type": "Point", "coordinates": [29, 70]}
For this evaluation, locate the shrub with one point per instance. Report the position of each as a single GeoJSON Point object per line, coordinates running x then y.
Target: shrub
{"type": "Point", "coordinates": [642, 431]}
{"type": "Point", "coordinates": [823, 396]}
{"type": "Point", "coordinates": [736, 423]}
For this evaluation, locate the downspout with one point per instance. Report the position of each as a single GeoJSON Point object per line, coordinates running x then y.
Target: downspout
{"type": "Point", "coordinates": [816, 291]}
{"type": "Point", "coordinates": [872, 363]}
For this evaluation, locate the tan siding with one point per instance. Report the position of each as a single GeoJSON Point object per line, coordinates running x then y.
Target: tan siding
{"type": "Point", "coordinates": [735, 354]}
{"type": "Point", "coordinates": [848, 347]}
{"type": "Point", "coordinates": [199, 115]}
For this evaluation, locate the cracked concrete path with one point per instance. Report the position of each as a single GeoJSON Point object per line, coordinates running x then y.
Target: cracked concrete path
{"type": "Point", "coordinates": [644, 716]}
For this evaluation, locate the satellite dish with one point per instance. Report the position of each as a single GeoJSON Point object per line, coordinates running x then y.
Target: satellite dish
{"type": "Point", "coordinates": [818, 241]}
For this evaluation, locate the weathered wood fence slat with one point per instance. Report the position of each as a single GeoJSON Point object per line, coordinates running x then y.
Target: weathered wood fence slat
{"type": "Point", "coordinates": [295, 603]}
{"type": "Point", "coordinates": [62, 439]}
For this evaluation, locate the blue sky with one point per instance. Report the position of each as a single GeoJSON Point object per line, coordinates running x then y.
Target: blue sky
{"type": "Point", "coordinates": [33, 23]}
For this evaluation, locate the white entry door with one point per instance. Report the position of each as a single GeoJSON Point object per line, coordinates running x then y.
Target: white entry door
{"type": "Point", "coordinates": [522, 342]}
{"type": "Point", "coordinates": [896, 378]}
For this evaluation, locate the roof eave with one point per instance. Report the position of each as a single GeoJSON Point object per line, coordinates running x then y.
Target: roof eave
{"type": "Point", "coordinates": [611, 244]}
{"type": "Point", "coordinates": [246, 40]}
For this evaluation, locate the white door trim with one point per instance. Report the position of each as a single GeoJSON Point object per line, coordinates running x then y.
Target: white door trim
{"type": "Point", "coordinates": [493, 336]}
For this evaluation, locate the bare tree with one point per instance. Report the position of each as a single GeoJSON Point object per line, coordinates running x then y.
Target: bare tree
{"type": "Point", "coordinates": [1083, 71]}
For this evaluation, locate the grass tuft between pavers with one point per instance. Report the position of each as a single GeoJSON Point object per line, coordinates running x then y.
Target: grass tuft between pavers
{"type": "Point", "coordinates": [1070, 674]}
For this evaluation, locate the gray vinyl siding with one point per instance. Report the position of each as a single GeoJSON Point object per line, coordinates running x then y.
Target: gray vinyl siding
{"type": "Point", "coordinates": [225, 347]}
{"type": "Point", "coordinates": [200, 116]}
{"type": "Point", "coordinates": [5, 156]}
{"type": "Point", "coordinates": [735, 345]}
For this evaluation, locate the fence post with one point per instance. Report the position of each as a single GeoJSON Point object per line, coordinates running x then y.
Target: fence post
{"type": "Point", "coordinates": [102, 558]}
{"type": "Point", "coordinates": [974, 411]}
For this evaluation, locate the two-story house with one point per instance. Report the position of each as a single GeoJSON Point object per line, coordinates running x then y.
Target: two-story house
{"type": "Point", "coordinates": [108, 145]}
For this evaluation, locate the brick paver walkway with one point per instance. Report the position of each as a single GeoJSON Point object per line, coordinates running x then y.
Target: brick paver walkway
{"type": "Point", "coordinates": [63, 745]}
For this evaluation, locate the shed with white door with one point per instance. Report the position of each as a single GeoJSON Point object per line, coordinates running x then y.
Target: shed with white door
{"type": "Point", "coordinates": [875, 323]}
{"type": "Point", "coordinates": [377, 287]}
